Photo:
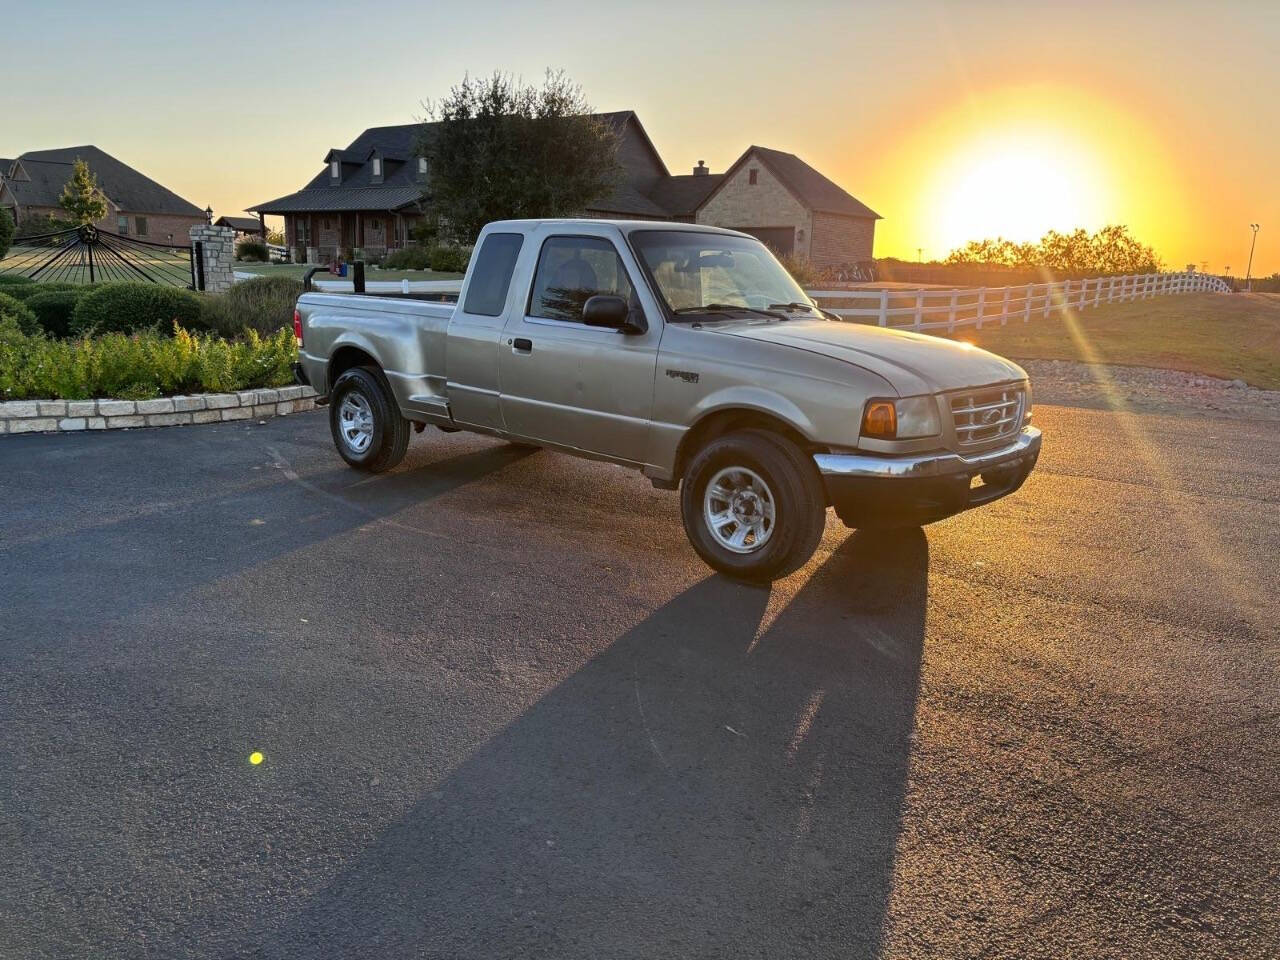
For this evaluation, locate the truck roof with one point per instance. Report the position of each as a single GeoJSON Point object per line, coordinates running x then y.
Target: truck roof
{"type": "Point", "coordinates": [620, 224]}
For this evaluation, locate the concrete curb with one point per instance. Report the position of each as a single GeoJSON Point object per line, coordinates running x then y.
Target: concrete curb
{"type": "Point", "coordinates": [71, 416]}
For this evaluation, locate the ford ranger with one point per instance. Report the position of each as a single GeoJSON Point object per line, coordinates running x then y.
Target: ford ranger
{"type": "Point", "coordinates": [689, 353]}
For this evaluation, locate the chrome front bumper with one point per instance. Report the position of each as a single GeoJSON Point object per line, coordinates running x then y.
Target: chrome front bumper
{"type": "Point", "coordinates": [869, 490]}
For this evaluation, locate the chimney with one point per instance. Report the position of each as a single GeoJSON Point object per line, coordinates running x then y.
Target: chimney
{"type": "Point", "coordinates": [701, 169]}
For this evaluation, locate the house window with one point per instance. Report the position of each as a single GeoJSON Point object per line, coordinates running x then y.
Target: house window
{"type": "Point", "coordinates": [751, 176]}
{"type": "Point", "coordinates": [422, 166]}
{"type": "Point", "coordinates": [141, 223]}
{"type": "Point", "coordinates": [335, 169]}
{"type": "Point", "coordinates": [377, 166]}
{"type": "Point", "coordinates": [122, 225]}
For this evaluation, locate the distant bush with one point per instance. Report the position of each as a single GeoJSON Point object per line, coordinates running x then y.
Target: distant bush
{"type": "Point", "coordinates": [449, 259]}
{"type": "Point", "coordinates": [14, 280]}
{"type": "Point", "coordinates": [40, 224]}
{"type": "Point", "coordinates": [54, 309]}
{"type": "Point", "coordinates": [253, 251]}
{"type": "Point", "coordinates": [25, 291]}
{"type": "Point", "coordinates": [264, 304]}
{"type": "Point", "coordinates": [804, 272]}
{"type": "Point", "coordinates": [408, 258]}
{"type": "Point", "coordinates": [15, 311]}
{"type": "Point", "coordinates": [138, 366]}
{"type": "Point", "coordinates": [126, 307]}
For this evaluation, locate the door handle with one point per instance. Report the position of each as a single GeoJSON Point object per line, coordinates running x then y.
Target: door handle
{"type": "Point", "coordinates": [522, 345]}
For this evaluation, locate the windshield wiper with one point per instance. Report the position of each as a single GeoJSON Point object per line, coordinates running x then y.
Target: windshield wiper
{"type": "Point", "coordinates": [798, 305]}
{"type": "Point", "coordinates": [726, 308]}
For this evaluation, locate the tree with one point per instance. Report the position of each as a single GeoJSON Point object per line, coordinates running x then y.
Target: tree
{"type": "Point", "coordinates": [500, 150]}
{"type": "Point", "coordinates": [1111, 250]}
{"type": "Point", "coordinates": [6, 232]}
{"type": "Point", "coordinates": [81, 196]}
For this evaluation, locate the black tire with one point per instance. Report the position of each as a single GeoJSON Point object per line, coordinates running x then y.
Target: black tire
{"type": "Point", "coordinates": [367, 390]}
{"type": "Point", "coordinates": [799, 504]}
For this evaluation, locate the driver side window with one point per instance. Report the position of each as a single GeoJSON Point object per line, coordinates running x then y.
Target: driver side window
{"type": "Point", "coordinates": [571, 270]}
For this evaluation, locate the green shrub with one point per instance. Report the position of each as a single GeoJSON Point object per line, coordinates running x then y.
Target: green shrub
{"type": "Point", "coordinates": [54, 309]}
{"type": "Point", "coordinates": [264, 304]}
{"type": "Point", "coordinates": [19, 313]}
{"type": "Point", "coordinates": [6, 231]}
{"type": "Point", "coordinates": [25, 291]}
{"type": "Point", "coordinates": [39, 224]}
{"type": "Point", "coordinates": [14, 280]}
{"type": "Point", "coordinates": [449, 259]}
{"type": "Point", "coordinates": [408, 258]}
{"type": "Point", "coordinates": [141, 365]}
{"type": "Point", "coordinates": [126, 307]}
{"type": "Point", "coordinates": [254, 251]}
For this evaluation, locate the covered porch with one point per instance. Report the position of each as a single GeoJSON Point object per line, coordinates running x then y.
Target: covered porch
{"type": "Point", "coordinates": [324, 236]}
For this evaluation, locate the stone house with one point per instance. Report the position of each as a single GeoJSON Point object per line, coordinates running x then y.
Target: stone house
{"type": "Point", "coordinates": [369, 195]}
{"type": "Point", "coordinates": [137, 206]}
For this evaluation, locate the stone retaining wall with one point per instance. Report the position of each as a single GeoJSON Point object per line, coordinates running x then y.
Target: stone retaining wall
{"type": "Point", "coordinates": [56, 416]}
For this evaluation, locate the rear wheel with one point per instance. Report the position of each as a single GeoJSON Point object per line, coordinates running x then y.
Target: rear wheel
{"type": "Point", "coordinates": [753, 505]}
{"type": "Point", "coordinates": [366, 424]}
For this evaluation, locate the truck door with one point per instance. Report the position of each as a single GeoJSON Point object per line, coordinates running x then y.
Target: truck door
{"type": "Point", "coordinates": [472, 344]}
{"type": "Point", "coordinates": [567, 383]}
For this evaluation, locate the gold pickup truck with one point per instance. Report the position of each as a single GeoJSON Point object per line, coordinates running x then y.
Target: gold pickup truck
{"type": "Point", "coordinates": [690, 354]}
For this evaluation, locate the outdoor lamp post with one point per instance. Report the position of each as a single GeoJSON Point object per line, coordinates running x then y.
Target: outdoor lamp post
{"type": "Point", "coordinates": [1248, 284]}
{"type": "Point", "coordinates": [208, 215]}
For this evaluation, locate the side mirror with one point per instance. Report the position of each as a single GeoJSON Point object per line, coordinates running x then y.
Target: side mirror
{"type": "Point", "coordinates": [605, 310]}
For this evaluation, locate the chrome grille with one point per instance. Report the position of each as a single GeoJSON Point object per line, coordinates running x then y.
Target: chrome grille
{"type": "Point", "coordinates": [986, 414]}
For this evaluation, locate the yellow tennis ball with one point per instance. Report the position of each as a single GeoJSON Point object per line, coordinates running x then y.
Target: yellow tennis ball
{"type": "Point", "coordinates": [255, 758]}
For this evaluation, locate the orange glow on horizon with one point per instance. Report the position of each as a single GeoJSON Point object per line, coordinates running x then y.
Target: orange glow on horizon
{"type": "Point", "coordinates": [1018, 161]}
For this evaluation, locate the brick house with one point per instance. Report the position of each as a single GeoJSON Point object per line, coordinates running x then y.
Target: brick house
{"type": "Point", "coordinates": [370, 194]}
{"type": "Point", "coordinates": [137, 206]}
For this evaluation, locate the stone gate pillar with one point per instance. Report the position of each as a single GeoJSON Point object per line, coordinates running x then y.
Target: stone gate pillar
{"type": "Point", "coordinates": [217, 256]}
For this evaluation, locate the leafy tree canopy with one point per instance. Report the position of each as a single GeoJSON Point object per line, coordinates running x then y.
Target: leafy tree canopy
{"type": "Point", "coordinates": [81, 196]}
{"type": "Point", "coordinates": [1110, 250]}
{"type": "Point", "coordinates": [500, 150]}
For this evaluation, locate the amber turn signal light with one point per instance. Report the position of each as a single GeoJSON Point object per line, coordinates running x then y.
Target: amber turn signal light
{"type": "Point", "coordinates": [880, 420]}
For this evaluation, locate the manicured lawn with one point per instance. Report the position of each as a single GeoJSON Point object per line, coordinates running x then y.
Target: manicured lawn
{"type": "Point", "coordinates": [1236, 336]}
{"type": "Point", "coordinates": [298, 269]}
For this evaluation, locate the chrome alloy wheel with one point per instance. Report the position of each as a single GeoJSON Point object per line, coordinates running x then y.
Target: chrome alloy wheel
{"type": "Point", "coordinates": [739, 509]}
{"type": "Point", "coordinates": [355, 420]}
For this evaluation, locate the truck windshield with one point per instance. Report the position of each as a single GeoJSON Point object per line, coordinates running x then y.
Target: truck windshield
{"type": "Point", "coordinates": [696, 272]}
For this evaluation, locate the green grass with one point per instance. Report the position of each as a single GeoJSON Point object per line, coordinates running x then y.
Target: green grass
{"type": "Point", "coordinates": [1235, 336]}
{"type": "Point", "coordinates": [298, 269]}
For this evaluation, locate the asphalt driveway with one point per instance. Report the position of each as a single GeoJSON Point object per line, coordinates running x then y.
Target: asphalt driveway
{"type": "Point", "coordinates": [506, 712]}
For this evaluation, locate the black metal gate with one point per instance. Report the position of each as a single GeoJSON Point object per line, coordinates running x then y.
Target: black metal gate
{"type": "Point", "coordinates": [89, 255]}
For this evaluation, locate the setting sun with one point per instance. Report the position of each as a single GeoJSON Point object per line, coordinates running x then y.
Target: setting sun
{"type": "Point", "coordinates": [1017, 186]}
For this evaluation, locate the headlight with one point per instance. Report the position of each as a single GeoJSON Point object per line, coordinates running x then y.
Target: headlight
{"type": "Point", "coordinates": [901, 419]}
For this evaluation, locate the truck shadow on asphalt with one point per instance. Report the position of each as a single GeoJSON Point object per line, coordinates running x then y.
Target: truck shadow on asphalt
{"type": "Point", "coordinates": [702, 787]}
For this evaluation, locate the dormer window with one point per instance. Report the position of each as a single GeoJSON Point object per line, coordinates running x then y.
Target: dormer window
{"type": "Point", "coordinates": [377, 166]}
{"type": "Point", "coordinates": [335, 169]}
{"type": "Point", "coordinates": [422, 168]}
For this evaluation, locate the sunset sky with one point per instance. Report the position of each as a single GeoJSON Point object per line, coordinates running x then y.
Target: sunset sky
{"type": "Point", "coordinates": [953, 121]}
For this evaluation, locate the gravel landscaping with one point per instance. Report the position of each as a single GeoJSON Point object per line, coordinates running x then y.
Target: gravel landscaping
{"type": "Point", "coordinates": [1147, 389]}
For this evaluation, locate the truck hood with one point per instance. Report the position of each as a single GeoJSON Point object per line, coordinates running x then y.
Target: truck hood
{"type": "Point", "coordinates": [911, 362]}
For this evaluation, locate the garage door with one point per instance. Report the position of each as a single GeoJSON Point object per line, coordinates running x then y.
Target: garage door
{"type": "Point", "coordinates": [778, 239]}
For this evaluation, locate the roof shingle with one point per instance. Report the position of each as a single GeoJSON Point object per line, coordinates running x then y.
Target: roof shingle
{"type": "Point", "coordinates": [128, 189]}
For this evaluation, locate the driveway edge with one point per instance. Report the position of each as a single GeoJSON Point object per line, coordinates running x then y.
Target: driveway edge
{"type": "Point", "coordinates": [73, 416]}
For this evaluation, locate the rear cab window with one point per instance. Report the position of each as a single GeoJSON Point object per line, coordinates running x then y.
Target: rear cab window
{"type": "Point", "coordinates": [491, 274]}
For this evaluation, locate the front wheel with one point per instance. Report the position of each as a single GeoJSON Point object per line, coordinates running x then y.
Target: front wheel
{"type": "Point", "coordinates": [365, 421]}
{"type": "Point", "coordinates": [753, 505]}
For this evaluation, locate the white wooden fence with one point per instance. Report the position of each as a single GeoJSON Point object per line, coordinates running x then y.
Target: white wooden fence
{"type": "Point", "coordinates": [975, 306]}
{"type": "Point", "coordinates": [917, 309]}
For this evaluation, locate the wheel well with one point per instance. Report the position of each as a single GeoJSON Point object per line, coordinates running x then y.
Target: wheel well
{"type": "Point", "coordinates": [726, 421]}
{"type": "Point", "coordinates": [344, 358]}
